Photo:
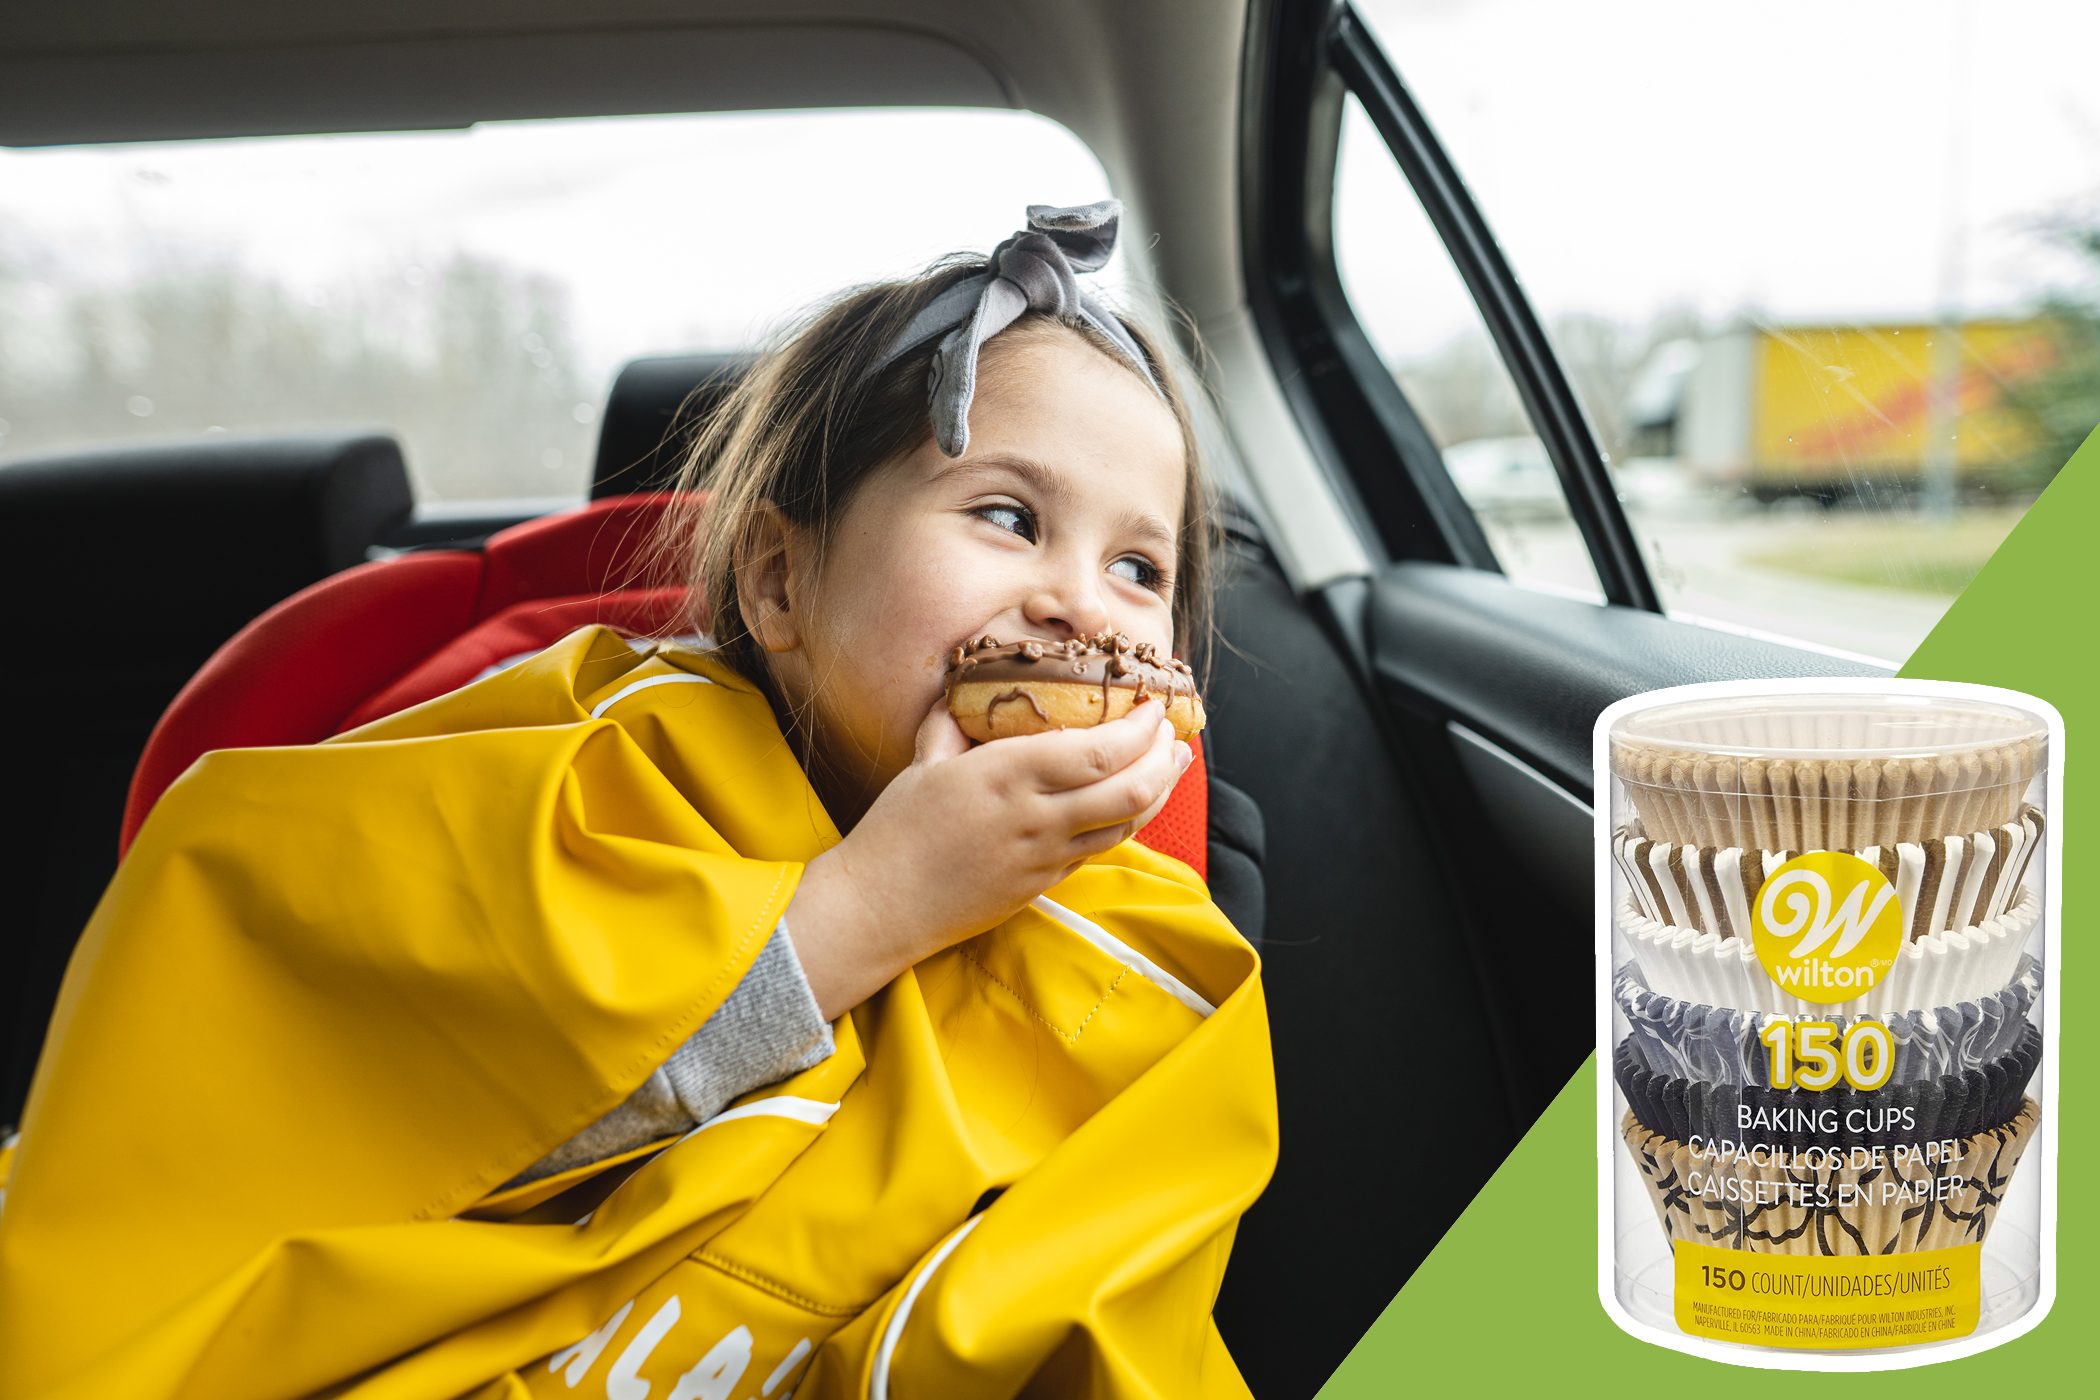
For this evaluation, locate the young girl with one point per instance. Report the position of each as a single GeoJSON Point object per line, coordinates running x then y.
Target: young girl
{"type": "Point", "coordinates": [426, 1015]}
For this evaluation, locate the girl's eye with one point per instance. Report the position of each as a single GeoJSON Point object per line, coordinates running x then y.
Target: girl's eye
{"type": "Point", "coordinates": [1020, 520]}
{"type": "Point", "coordinates": [1143, 572]}
{"type": "Point", "coordinates": [1008, 518]}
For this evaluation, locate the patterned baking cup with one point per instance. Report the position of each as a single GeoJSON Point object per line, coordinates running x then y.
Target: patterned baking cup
{"type": "Point", "coordinates": [1948, 882]}
{"type": "Point", "coordinates": [1825, 772]}
{"type": "Point", "coordinates": [1907, 1115]}
{"type": "Point", "coordinates": [1860, 1201]}
{"type": "Point", "coordinates": [1940, 969]}
{"type": "Point", "coordinates": [1720, 1045]}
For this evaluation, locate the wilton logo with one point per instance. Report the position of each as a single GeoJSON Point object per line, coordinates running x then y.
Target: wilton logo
{"type": "Point", "coordinates": [1827, 926]}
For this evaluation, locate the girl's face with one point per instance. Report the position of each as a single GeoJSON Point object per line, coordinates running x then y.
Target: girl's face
{"type": "Point", "coordinates": [1060, 520]}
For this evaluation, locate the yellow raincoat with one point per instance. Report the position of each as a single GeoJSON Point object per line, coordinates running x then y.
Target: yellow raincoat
{"type": "Point", "coordinates": [338, 994]}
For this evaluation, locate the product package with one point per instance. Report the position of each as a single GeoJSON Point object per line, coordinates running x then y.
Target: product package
{"type": "Point", "coordinates": [1825, 947]}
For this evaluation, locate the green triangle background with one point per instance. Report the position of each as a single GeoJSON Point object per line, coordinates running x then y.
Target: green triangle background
{"type": "Point", "coordinates": [1509, 1297]}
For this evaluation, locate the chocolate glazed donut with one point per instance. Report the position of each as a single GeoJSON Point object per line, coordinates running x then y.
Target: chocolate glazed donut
{"type": "Point", "coordinates": [997, 689]}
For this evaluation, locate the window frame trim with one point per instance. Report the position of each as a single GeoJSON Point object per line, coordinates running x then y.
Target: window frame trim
{"type": "Point", "coordinates": [1344, 59]}
{"type": "Point", "coordinates": [1548, 397]}
{"type": "Point", "coordinates": [1384, 467]}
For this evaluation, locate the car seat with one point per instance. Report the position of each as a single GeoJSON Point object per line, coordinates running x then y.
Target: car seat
{"type": "Point", "coordinates": [392, 633]}
{"type": "Point", "coordinates": [123, 568]}
{"type": "Point", "coordinates": [656, 405]}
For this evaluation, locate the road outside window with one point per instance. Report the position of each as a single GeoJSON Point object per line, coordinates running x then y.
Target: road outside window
{"type": "Point", "coordinates": [1826, 279]}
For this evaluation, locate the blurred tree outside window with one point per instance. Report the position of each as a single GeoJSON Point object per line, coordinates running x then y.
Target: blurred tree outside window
{"type": "Point", "coordinates": [472, 292]}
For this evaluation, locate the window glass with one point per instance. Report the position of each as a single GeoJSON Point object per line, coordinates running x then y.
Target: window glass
{"type": "Point", "coordinates": [1425, 325]}
{"type": "Point", "coordinates": [1826, 277]}
{"type": "Point", "coordinates": [474, 292]}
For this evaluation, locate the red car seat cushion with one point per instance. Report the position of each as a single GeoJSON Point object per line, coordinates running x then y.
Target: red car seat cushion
{"type": "Point", "coordinates": [383, 636]}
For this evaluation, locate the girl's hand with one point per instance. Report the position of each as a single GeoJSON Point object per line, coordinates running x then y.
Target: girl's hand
{"type": "Point", "coordinates": [965, 836]}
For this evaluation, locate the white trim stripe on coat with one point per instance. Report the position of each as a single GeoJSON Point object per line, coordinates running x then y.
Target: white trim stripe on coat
{"type": "Point", "coordinates": [879, 1375]}
{"type": "Point", "coordinates": [815, 1112]}
{"type": "Point", "coordinates": [598, 710]}
{"type": "Point", "coordinates": [1122, 952]}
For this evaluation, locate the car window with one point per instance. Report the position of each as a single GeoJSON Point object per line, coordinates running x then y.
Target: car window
{"type": "Point", "coordinates": [1826, 278]}
{"type": "Point", "coordinates": [1425, 325]}
{"type": "Point", "coordinates": [475, 291]}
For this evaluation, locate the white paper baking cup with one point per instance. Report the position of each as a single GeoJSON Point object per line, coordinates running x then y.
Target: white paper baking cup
{"type": "Point", "coordinates": [1941, 969]}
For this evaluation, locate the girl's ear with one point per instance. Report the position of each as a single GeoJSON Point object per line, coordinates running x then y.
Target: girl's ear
{"type": "Point", "coordinates": [765, 581]}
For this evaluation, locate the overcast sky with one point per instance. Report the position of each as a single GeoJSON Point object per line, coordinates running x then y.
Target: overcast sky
{"type": "Point", "coordinates": [1852, 160]}
{"type": "Point", "coordinates": [1858, 160]}
{"type": "Point", "coordinates": [670, 232]}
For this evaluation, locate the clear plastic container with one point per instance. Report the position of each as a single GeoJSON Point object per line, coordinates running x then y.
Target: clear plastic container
{"type": "Point", "coordinates": [1825, 946]}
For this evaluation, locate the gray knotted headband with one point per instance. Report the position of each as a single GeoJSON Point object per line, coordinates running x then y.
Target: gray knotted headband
{"type": "Point", "coordinates": [1035, 270]}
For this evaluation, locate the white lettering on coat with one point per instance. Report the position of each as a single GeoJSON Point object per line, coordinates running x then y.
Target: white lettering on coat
{"type": "Point", "coordinates": [584, 1355]}
{"type": "Point", "coordinates": [624, 1382]}
{"type": "Point", "coordinates": [713, 1377]}
{"type": "Point", "coordinates": [716, 1374]}
{"type": "Point", "coordinates": [786, 1368]}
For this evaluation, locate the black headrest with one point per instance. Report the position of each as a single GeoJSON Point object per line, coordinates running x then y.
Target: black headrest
{"type": "Point", "coordinates": [650, 416]}
{"type": "Point", "coordinates": [171, 544]}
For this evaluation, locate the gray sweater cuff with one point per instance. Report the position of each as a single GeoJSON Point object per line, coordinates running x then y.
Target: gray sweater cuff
{"type": "Point", "coordinates": [768, 1029]}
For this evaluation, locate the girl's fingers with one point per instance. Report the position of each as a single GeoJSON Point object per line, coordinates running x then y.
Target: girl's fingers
{"type": "Point", "coordinates": [1159, 803]}
{"type": "Point", "coordinates": [939, 735]}
{"type": "Point", "coordinates": [1137, 791]}
{"type": "Point", "coordinates": [1090, 843]}
{"type": "Point", "coordinates": [1066, 759]}
{"type": "Point", "coordinates": [1093, 843]}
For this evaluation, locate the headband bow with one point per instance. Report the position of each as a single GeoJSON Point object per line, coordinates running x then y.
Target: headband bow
{"type": "Point", "coordinates": [1035, 270]}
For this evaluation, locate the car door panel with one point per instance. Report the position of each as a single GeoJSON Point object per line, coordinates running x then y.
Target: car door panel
{"type": "Point", "coordinates": [1531, 671]}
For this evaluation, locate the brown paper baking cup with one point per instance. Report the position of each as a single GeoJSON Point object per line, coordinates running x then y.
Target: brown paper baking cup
{"type": "Point", "coordinates": [1825, 772]}
{"type": "Point", "coordinates": [1949, 882]}
{"type": "Point", "coordinates": [1838, 1202]}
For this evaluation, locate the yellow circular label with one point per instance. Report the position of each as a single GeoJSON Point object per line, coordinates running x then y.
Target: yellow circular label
{"type": "Point", "coordinates": [1827, 926]}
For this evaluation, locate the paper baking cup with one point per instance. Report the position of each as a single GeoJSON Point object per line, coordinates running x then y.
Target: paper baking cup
{"type": "Point", "coordinates": [1721, 1045]}
{"type": "Point", "coordinates": [1949, 882]}
{"type": "Point", "coordinates": [1830, 1203]}
{"type": "Point", "coordinates": [1940, 969]}
{"type": "Point", "coordinates": [1825, 772]}
{"type": "Point", "coordinates": [1897, 1114]}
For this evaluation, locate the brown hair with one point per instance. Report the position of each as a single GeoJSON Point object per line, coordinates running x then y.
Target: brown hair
{"type": "Point", "coordinates": [806, 426]}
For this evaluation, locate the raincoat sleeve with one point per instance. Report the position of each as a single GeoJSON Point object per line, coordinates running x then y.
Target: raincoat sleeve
{"type": "Point", "coordinates": [376, 978]}
{"type": "Point", "coordinates": [769, 1028]}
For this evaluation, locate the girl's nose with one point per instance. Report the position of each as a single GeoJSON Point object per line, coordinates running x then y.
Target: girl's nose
{"type": "Point", "coordinates": [1067, 604]}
